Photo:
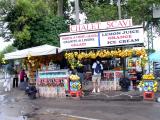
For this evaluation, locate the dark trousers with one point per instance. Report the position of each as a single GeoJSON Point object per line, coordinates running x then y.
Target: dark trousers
{"type": "Point", "coordinates": [22, 80]}
{"type": "Point", "coordinates": [15, 82]}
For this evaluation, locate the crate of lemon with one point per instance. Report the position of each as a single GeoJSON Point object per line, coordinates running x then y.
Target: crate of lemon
{"type": "Point", "coordinates": [75, 84]}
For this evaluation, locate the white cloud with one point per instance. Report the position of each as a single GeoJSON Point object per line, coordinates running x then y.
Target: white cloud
{"type": "Point", "coordinates": [4, 44]}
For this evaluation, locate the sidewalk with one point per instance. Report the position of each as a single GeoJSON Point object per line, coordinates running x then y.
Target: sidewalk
{"type": "Point", "coordinates": [113, 96]}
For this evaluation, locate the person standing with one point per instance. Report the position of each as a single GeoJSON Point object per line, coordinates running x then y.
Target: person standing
{"type": "Point", "coordinates": [22, 75]}
{"type": "Point", "coordinates": [8, 77]}
{"type": "Point", "coordinates": [97, 69]}
{"type": "Point", "coordinates": [15, 79]}
{"type": "Point", "coordinates": [7, 83]}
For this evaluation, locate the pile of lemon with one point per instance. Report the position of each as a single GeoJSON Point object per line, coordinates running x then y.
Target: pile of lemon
{"type": "Point", "coordinates": [74, 77]}
{"type": "Point", "coordinates": [148, 77]}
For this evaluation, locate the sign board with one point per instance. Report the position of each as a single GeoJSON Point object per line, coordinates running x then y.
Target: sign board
{"type": "Point", "coordinates": [122, 37]}
{"type": "Point", "coordinates": [156, 70]}
{"type": "Point", "coordinates": [101, 25]}
{"type": "Point", "coordinates": [79, 41]}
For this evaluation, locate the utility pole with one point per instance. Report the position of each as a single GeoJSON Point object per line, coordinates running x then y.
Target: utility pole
{"type": "Point", "coordinates": [150, 45]}
{"type": "Point", "coordinates": [155, 15]}
{"type": "Point", "coordinates": [77, 11]}
{"type": "Point", "coordinates": [60, 8]}
{"type": "Point", "coordinates": [119, 8]}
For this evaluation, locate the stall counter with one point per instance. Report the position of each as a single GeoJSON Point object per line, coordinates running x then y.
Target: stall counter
{"type": "Point", "coordinates": [53, 83]}
{"type": "Point", "coordinates": [110, 80]}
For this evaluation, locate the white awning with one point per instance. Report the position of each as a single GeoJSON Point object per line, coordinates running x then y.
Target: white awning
{"type": "Point", "coordinates": [34, 51]}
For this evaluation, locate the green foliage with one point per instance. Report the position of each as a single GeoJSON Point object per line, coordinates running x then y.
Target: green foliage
{"type": "Point", "coordinates": [102, 10]}
{"type": "Point", "coordinates": [150, 51]}
{"type": "Point", "coordinates": [8, 49]}
{"type": "Point", "coordinates": [42, 31]}
{"type": "Point", "coordinates": [140, 10]}
{"type": "Point", "coordinates": [33, 23]}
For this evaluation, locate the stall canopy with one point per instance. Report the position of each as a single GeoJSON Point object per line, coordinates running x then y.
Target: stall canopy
{"type": "Point", "coordinates": [34, 51]}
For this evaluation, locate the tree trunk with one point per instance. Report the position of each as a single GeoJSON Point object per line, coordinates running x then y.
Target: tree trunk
{"type": "Point", "coordinates": [60, 8]}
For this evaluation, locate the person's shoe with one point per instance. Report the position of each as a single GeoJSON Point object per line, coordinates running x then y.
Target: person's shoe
{"type": "Point", "coordinates": [94, 90]}
{"type": "Point", "coordinates": [98, 90]}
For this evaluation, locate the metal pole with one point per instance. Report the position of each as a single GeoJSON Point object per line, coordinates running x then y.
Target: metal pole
{"type": "Point", "coordinates": [119, 8]}
{"type": "Point", "coordinates": [77, 11]}
{"type": "Point", "coordinates": [150, 45]}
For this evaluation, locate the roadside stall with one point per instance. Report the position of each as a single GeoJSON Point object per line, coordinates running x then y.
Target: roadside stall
{"type": "Point", "coordinates": [115, 46]}
{"type": "Point", "coordinates": [43, 64]}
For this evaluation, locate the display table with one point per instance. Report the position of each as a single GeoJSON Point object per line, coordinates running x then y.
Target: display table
{"type": "Point", "coordinates": [53, 83]}
{"type": "Point", "coordinates": [110, 80]}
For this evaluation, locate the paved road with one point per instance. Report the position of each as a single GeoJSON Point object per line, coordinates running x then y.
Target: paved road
{"type": "Point", "coordinates": [106, 110]}
{"type": "Point", "coordinates": [16, 104]}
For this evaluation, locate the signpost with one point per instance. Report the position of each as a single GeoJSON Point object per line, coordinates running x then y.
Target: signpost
{"type": "Point", "coordinates": [127, 36]}
{"type": "Point", "coordinates": [122, 37]}
{"type": "Point", "coordinates": [79, 41]}
{"type": "Point", "coordinates": [101, 25]}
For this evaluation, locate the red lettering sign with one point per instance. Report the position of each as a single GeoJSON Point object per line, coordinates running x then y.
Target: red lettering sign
{"type": "Point", "coordinates": [101, 25]}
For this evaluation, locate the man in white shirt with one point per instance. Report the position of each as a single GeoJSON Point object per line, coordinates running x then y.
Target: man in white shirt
{"type": "Point", "coordinates": [97, 68]}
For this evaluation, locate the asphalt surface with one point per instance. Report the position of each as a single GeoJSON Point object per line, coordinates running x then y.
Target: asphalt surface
{"type": "Point", "coordinates": [15, 105]}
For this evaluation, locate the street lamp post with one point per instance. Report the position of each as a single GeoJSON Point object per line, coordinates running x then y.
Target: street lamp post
{"type": "Point", "coordinates": [119, 8]}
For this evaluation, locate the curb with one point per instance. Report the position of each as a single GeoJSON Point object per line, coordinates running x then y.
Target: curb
{"type": "Point", "coordinates": [119, 98]}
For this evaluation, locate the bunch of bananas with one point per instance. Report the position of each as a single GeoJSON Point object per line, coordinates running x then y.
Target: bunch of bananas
{"type": "Point", "coordinates": [148, 77]}
{"type": "Point", "coordinates": [141, 52]}
{"type": "Point", "coordinates": [3, 61]}
{"type": "Point", "coordinates": [74, 77]}
{"type": "Point", "coordinates": [106, 54]}
{"type": "Point", "coordinates": [123, 54]}
{"type": "Point", "coordinates": [69, 56]}
{"type": "Point", "coordinates": [92, 55]}
{"type": "Point", "coordinates": [82, 55]}
{"type": "Point", "coordinates": [75, 63]}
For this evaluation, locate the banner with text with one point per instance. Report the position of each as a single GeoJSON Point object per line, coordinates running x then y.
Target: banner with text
{"type": "Point", "coordinates": [101, 25]}
{"type": "Point", "coordinates": [79, 41]}
{"type": "Point", "coordinates": [122, 37]}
